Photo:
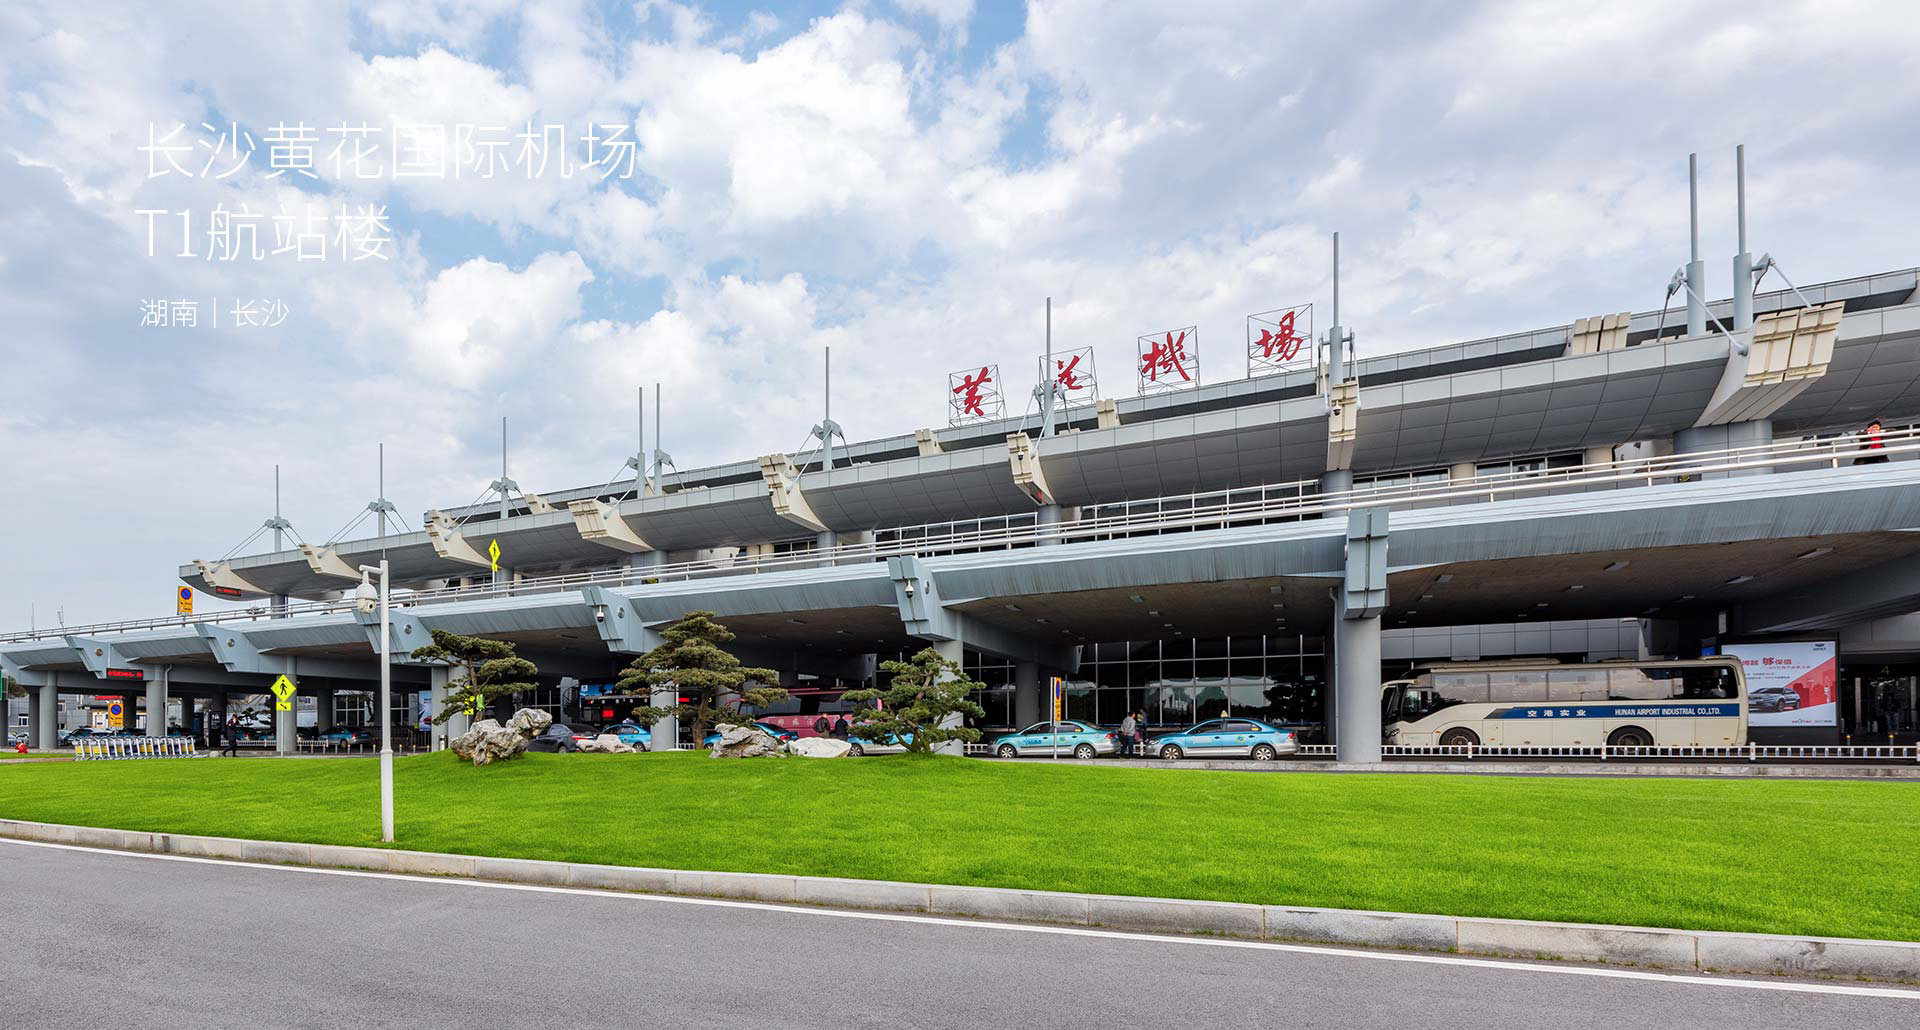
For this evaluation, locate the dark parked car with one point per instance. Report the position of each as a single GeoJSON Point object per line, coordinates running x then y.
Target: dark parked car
{"type": "Point", "coordinates": [558, 738]}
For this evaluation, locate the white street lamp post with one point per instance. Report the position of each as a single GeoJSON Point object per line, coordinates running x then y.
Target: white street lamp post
{"type": "Point", "coordinates": [365, 598]}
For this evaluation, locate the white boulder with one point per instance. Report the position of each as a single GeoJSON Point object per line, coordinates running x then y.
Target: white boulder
{"type": "Point", "coordinates": [743, 742]}
{"type": "Point", "coordinates": [819, 747]}
{"type": "Point", "coordinates": [610, 744]}
{"type": "Point", "coordinates": [488, 741]}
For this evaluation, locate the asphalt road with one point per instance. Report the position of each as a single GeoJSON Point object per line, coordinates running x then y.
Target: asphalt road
{"type": "Point", "coordinates": [96, 939]}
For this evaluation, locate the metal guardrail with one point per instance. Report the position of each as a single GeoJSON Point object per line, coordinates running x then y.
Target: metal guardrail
{"type": "Point", "coordinates": [1606, 753]}
{"type": "Point", "coordinates": [1493, 487]}
{"type": "Point", "coordinates": [103, 749]}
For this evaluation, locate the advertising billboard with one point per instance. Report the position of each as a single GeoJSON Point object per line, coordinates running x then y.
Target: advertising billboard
{"type": "Point", "coordinates": [1790, 684]}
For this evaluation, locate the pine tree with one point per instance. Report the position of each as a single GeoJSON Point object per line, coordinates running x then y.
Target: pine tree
{"type": "Point", "coordinates": [693, 663]}
{"type": "Point", "coordinates": [489, 671]}
{"type": "Point", "coordinates": [925, 692]}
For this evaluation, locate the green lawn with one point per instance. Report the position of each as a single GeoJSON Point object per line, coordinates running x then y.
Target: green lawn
{"type": "Point", "coordinates": [1781, 856]}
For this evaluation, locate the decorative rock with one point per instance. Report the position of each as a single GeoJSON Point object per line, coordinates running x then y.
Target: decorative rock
{"type": "Point", "coordinates": [610, 744]}
{"type": "Point", "coordinates": [488, 741]}
{"type": "Point", "coordinates": [819, 747]}
{"type": "Point", "coordinates": [530, 722]}
{"type": "Point", "coordinates": [744, 742]}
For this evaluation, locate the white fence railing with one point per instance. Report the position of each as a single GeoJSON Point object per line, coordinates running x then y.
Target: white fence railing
{"type": "Point", "coordinates": [1607, 753]}
{"type": "Point", "coordinates": [1808, 453]}
{"type": "Point", "coordinates": [101, 749]}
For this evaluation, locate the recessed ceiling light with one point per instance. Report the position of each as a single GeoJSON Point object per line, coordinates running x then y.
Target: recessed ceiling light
{"type": "Point", "coordinates": [1737, 580]}
{"type": "Point", "coordinates": [1686, 597]}
{"type": "Point", "coordinates": [1276, 590]}
{"type": "Point", "coordinates": [1448, 578]}
{"type": "Point", "coordinates": [798, 622]}
{"type": "Point", "coordinates": [1576, 586]}
{"type": "Point", "coordinates": [1616, 566]}
{"type": "Point", "coordinates": [1413, 613]}
{"type": "Point", "coordinates": [1426, 597]}
{"type": "Point", "coordinates": [1542, 604]}
{"type": "Point", "coordinates": [1815, 553]}
{"type": "Point", "coordinates": [1013, 607]}
{"type": "Point", "coordinates": [1042, 621]}
{"type": "Point", "coordinates": [1167, 625]}
{"type": "Point", "coordinates": [1136, 599]}
{"type": "Point", "coordinates": [1152, 611]}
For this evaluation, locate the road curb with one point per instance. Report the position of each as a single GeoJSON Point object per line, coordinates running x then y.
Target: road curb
{"type": "Point", "coordinates": [1708, 951]}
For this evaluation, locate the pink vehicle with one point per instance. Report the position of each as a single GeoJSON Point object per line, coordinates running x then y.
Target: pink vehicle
{"type": "Point", "coordinates": [808, 711]}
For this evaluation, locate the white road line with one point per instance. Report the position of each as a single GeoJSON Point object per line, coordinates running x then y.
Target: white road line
{"type": "Point", "coordinates": [1062, 931]}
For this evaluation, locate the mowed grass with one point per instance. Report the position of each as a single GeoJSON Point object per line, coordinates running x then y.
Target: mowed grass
{"type": "Point", "coordinates": [1834, 858]}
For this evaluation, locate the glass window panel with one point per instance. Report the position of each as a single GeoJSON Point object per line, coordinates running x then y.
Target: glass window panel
{"type": "Point", "coordinates": [1577, 684]}
{"type": "Point", "coordinates": [1640, 684]}
{"type": "Point", "coordinates": [1455, 688]}
{"type": "Point", "coordinates": [1519, 688]}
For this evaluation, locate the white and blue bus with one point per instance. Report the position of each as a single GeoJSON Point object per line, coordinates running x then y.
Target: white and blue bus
{"type": "Point", "coordinates": [1689, 703]}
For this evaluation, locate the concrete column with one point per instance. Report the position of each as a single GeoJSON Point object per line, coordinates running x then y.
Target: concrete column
{"type": "Point", "coordinates": [1334, 481]}
{"type": "Point", "coordinates": [1046, 517]}
{"type": "Point", "coordinates": [647, 559]}
{"type": "Point", "coordinates": [129, 709]}
{"type": "Point", "coordinates": [1461, 471]}
{"type": "Point", "coordinates": [157, 704]}
{"type": "Point", "coordinates": [323, 710]}
{"type": "Point", "coordinates": [34, 715]}
{"type": "Point", "coordinates": [48, 736]}
{"type": "Point", "coordinates": [1356, 644]}
{"type": "Point", "coordinates": [436, 699]}
{"type": "Point", "coordinates": [1027, 695]}
{"type": "Point", "coordinates": [666, 732]}
{"type": "Point", "coordinates": [953, 651]}
{"type": "Point", "coordinates": [456, 724]}
{"type": "Point", "coordinates": [285, 725]}
{"type": "Point", "coordinates": [1757, 433]}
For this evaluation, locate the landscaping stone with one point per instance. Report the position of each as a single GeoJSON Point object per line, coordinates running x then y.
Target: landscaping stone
{"type": "Point", "coordinates": [743, 742]}
{"type": "Point", "coordinates": [819, 747]}
{"type": "Point", "coordinates": [609, 744]}
{"type": "Point", "coordinates": [488, 741]}
{"type": "Point", "coordinates": [530, 722]}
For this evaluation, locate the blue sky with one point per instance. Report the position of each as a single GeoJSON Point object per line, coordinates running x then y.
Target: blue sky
{"type": "Point", "coordinates": [904, 181]}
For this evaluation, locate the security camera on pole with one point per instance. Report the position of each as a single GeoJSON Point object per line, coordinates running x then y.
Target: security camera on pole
{"type": "Point", "coordinates": [368, 600]}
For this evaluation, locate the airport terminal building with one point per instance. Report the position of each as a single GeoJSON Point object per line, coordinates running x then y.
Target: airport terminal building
{"type": "Point", "coordinates": [1274, 546]}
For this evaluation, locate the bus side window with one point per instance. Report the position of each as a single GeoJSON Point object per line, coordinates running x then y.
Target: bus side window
{"type": "Point", "coordinates": [1706, 683]}
{"type": "Point", "coordinates": [1457, 688]}
{"type": "Point", "coordinates": [1642, 684]}
{"type": "Point", "coordinates": [1577, 685]}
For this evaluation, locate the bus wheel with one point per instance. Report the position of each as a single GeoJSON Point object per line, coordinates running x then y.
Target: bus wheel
{"type": "Point", "coordinates": [1007, 751]}
{"type": "Point", "coordinates": [1458, 737]}
{"type": "Point", "coordinates": [1083, 752]}
{"type": "Point", "coordinates": [1630, 736]}
{"type": "Point", "coordinates": [1265, 753]}
{"type": "Point", "coordinates": [1171, 752]}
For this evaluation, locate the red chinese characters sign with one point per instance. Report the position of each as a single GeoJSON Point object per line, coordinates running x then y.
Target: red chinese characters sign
{"type": "Point", "coordinates": [1073, 379]}
{"type": "Point", "coordinates": [974, 396]}
{"type": "Point", "coordinates": [1169, 360]}
{"type": "Point", "coordinates": [1281, 340]}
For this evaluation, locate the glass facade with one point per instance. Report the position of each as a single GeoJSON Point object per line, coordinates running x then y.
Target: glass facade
{"type": "Point", "coordinates": [1179, 682]}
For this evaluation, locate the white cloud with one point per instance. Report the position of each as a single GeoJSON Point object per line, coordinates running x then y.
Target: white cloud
{"type": "Point", "coordinates": [863, 181]}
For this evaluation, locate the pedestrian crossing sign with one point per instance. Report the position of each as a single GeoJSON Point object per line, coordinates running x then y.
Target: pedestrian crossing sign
{"type": "Point", "coordinates": [283, 694]}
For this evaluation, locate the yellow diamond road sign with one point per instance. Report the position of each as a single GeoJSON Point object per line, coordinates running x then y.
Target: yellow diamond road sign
{"type": "Point", "coordinates": [493, 552]}
{"type": "Point", "coordinates": [283, 694]}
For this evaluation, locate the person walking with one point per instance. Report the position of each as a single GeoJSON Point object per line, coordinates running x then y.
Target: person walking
{"type": "Point", "coordinates": [232, 741]}
{"type": "Point", "coordinates": [1872, 441]}
{"type": "Point", "coordinates": [1127, 729]}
